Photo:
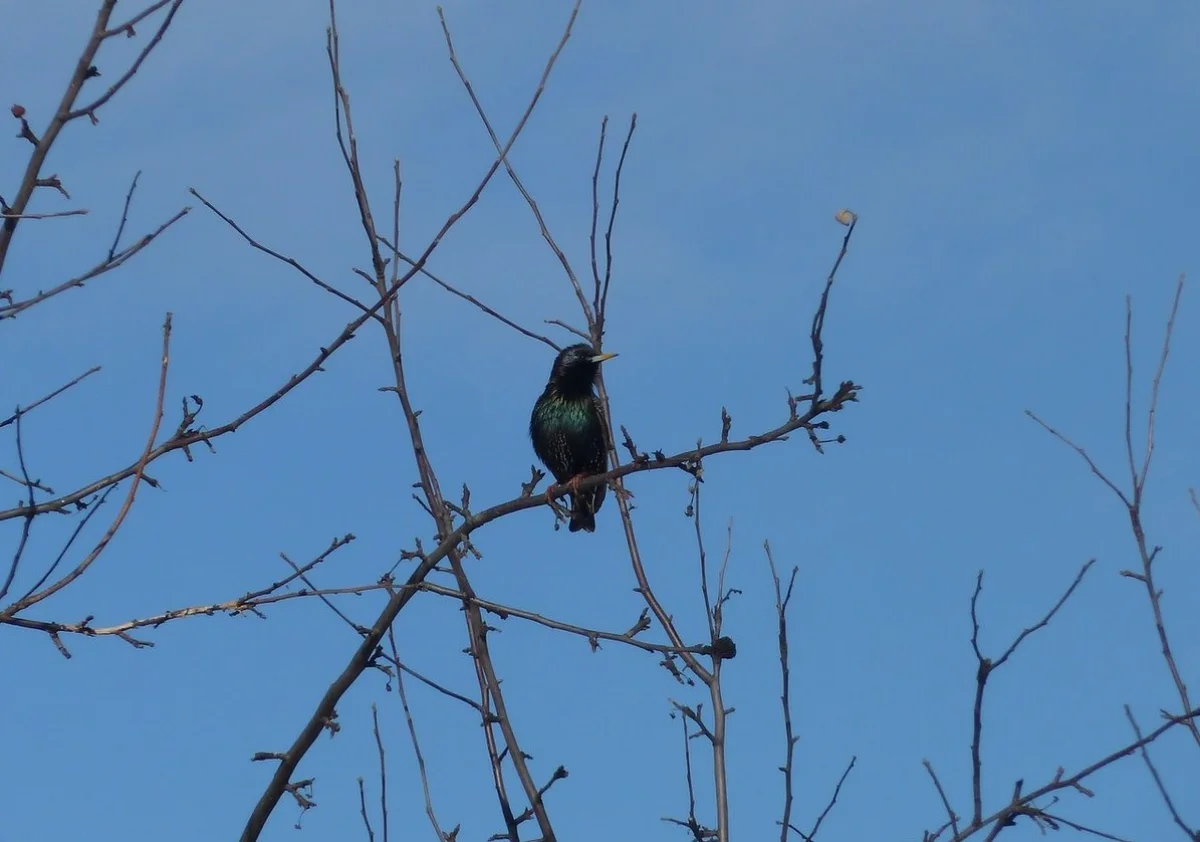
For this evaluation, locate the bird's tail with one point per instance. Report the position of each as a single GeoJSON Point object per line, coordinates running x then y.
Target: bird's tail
{"type": "Point", "coordinates": [582, 515]}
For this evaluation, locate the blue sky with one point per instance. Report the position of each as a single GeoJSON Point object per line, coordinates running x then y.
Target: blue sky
{"type": "Point", "coordinates": [1017, 171]}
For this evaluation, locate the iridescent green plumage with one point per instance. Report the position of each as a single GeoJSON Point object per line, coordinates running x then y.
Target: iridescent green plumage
{"type": "Point", "coordinates": [567, 429]}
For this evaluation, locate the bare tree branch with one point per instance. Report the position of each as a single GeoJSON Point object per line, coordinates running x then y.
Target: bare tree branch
{"type": "Point", "coordinates": [1133, 500]}
{"type": "Point", "coordinates": [412, 732]}
{"type": "Point", "coordinates": [46, 398]}
{"type": "Point", "coordinates": [473, 300]}
{"type": "Point", "coordinates": [249, 603]}
{"type": "Point", "coordinates": [782, 599]}
{"type": "Point", "coordinates": [15, 308]}
{"type": "Point", "coordinates": [139, 471]}
{"type": "Point", "coordinates": [529, 200]}
{"type": "Point", "coordinates": [85, 69]}
{"type": "Point", "coordinates": [1191, 834]}
{"type": "Point", "coordinates": [987, 666]}
{"type": "Point", "coordinates": [433, 498]}
{"type": "Point", "coordinates": [383, 798]}
{"type": "Point", "coordinates": [290, 261]}
{"type": "Point", "coordinates": [601, 294]}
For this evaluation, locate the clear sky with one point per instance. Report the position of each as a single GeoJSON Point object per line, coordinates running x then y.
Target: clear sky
{"type": "Point", "coordinates": [1018, 169]}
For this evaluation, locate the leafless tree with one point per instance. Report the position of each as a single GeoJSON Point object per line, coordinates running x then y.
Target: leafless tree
{"type": "Point", "coordinates": [441, 562]}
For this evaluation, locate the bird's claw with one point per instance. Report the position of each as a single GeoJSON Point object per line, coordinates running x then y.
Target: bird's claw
{"type": "Point", "coordinates": [571, 485]}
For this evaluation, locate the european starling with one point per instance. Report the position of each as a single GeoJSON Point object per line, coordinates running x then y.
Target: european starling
{"type": "Point", "coordinates": [568, 431]}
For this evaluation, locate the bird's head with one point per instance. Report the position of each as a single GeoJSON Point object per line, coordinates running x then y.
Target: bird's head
{"type": "Point", "coordinates": [575, 368]}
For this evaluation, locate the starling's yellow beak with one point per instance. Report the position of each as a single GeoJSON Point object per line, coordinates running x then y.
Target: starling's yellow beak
{"type": "Point", "coordinates": [599, 358]}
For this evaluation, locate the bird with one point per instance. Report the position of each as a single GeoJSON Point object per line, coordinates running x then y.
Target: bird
{"type": "Point", "coordinates": [567, 430]}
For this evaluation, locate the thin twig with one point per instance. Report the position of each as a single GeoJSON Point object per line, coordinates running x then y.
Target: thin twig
{"type": "Point", "coordinates": [362, 807]}
{"type": "Point", "coordinates": [93, 507]}
{"type": "Point", "coordinates": [314, 590]}
{"type": "Point", "coordinates": [51, 215]}
{"type": "Point", "coordinates": [700, 833]}
{"type": "Point", "coordinates": [816, 333]}
{"type": "Point", "coordinates": [812, 834]}
{"type": "Point", "coordinates": [27, 526]}
{"type": "Point", "coordinates": [512, 174]}
{"type": "Point", "coordinates": [1091, 831]}
{"type": "Point", "coordinates": [90, 108]}
{"type": "Point", "coordinates": [986, 666]}
{"type": "Point", "coordinates": [290, 261]}
{"type": "Point", "coordinates": [1083, 455]}
{"type": "Point", "coordinates": [1049, 615]}
{"type": "Point", "coordinates": [334, 545]}
{"type": "Point", "coordinates": [126, 28]}
{"type": "Point", "coordinates": [251, 602]}
{"type": "Point", "coordinates": [713, 681]}
{"type": "Point", "coordinates": [596, 204]}
{"type": "Point", "coordinates": [602, 296]}
{"type": "Point", "coordinates": [782, 599]}
{"type": "Point", "coordinates": [428, 682]}
{"type": "Point", "coordinates": [1157, 382]}
{"type": "Point", "coordinates": [382, 771]}
{"type": "Point", "coordinates": [112, 250]}
{"type": "Point", "coordinates": [472, 299]}
{"type": "Point", "coordinates": [412, 732]}
{"type": "Point", "coordinates": [951, 816]}
{"type": "Point", "coordinates": [26, 410]}
{"type": "Point", "coordinates": [139, 472]}
{"type": "Point", "coordinates": [40, 486]}
{"type": "Point", "coordinates": [694, 510]}
{"type": "Point", "coordinates": [1191, 834]}
{"type": "Point", "coordinates": [569, 329]}
{"type": "Point", "coordinates": [9, 311]}
{"type": "Point", "coordinates": [592, 635]}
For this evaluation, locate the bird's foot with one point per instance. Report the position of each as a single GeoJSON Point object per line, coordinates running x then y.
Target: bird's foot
{"type": "Point", "coordinates": [573, 483]}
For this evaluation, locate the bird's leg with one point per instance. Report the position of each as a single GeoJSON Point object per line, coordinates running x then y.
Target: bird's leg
{"type": "Point", "coordinates": [571, 485]}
